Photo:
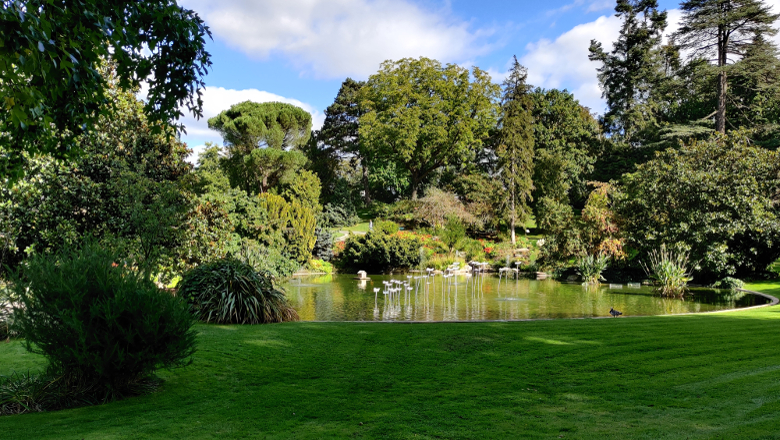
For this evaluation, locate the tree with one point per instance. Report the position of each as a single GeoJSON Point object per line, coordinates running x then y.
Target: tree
{"type": "Point", "coordinates": [630, 72]}
{"type": "Point", "coordinates": [723, 28]}
{"type": "Point", "coordinates": [51, 86]}
{"type": "Point", "coordinates": [515, 149]}
{"type": "Point", "coordinates": [422, 115]}
{"type": "Point", "coordinates": [261, 169]}
{"type": "Point", "coordinates": [715, 199]}
{"type": "Point", "coordinates": [250, 125]}
{"type": "Point", "coordinates": [340, 131]}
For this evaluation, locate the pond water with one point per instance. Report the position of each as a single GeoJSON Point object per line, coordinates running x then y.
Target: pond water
{"type": "Point", "coordinates": [344, 298]}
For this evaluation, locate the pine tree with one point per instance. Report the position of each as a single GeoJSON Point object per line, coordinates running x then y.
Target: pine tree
{"type": "Point", "coordinates": [632, 69]}
{"type": "Point", "coordinates": [515, 148]}
{"type": "Point", "coordinates": [721, 30]}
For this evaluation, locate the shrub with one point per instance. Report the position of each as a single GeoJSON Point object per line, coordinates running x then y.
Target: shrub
{"type": "Point", "coordinates": [323, 247]}
{"type": "Point", "coordinates": [715, 198]}
{"type": "Point", "coordinates": [337, 216]}
{"type": "Point", "coordinates": [438, 206]}
{"type": "Point", "coordinates": [590, 267]}
{"type": "Point", "coordinates": [320, 266]}
{"type": "Point", "coordinates": [729, 283]}
{"type": "Point", "coordinates": [473, 249]}
{"type": "Point", "coordinates": [102, 327]}
{"type": "Point", "coordinates": [669, 270]}
{"type": "Point", "coordinates": [5, 312]}
{"type": "Point", "coordinates": [453, 232]}
{"type": "Point", "coordinates": [266, 259]}
{"type": "Point", "coordinates": [379, 252]}
{"type": "Point", "coordinates": [386, 227]}
{"type": "Point", "coordinates": [229, 291]}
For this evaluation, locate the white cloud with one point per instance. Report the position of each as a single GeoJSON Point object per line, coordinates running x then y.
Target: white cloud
{"type": "Point", "coordinates": [337, 38]}
{"type": "Point", "coordinates": [218, 99]}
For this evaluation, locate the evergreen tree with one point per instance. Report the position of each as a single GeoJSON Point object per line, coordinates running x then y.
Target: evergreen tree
{"type": "Point", "coordinates": [515, 148]}
{"type": "Point", "coordinates": [632, 69]}
{"type": "Point", "coordinates": [721, 31]}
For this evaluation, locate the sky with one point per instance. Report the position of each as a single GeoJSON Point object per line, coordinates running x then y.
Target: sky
{"type": "Point", "coordinates": [300, 51]}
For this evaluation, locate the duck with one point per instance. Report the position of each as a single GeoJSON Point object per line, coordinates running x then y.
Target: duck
{"type": "Point", "coordinates": [614, 312]}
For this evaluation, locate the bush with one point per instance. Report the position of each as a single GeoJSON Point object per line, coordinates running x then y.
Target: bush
{"type": "Point", "coordinates": [669, 270]}
{"type": "Point", "coordinates": [453, 232]}
{"type": "Point", "coordinates": [386, 227]}
{"type": "Point", "coordinates": [101, 326]}
{"type": "Point", "coordinates": [5, 312]}
{"type": "Point", "coordinates": [266, 259]}
{"type": "Point", "coordinates": [473, 249]}
{"type": "Point", "coordinates": [590, 267]}
{"type": "Point", "coordinates": [229, 291]}
{"type": "Point", "coordinates": [335, 216]}
{"type": "Point", "coordinates": [379, 252]}
{"type": "Point", "coordinates": [323, 247]}
{"type": "Point", "coordinates": [729, 283]}
{"type": "Point", "coordinates": [715, 199]}
{"type": "Point", "coordinates": [320, 266]}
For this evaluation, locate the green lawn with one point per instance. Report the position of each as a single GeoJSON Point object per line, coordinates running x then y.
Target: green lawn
{"type": "Point", "coordinates": [695, 376]}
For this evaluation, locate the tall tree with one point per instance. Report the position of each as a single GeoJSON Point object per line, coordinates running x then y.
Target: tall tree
{"type": "Point", "coordinates": [721, 30]}
{"type": "Point", "coordinates": [629, 72]}
{"type": "Point", "coordinates": [249, 125]}
{"type": "Point", "coordinates": [515, 149]}
{"type": "Point", "coordinates": [51, 86]}
{"type": "Point", "coordinates": [340, 131]}
{"type": "Point", "coordinates": [422, 115]}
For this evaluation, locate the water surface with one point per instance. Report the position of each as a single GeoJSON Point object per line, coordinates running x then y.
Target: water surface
{"type": "Point", "coordinates": [344, 298]}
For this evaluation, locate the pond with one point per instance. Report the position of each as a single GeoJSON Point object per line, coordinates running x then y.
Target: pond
{"type": "Point", "coordinates": [484, 298]}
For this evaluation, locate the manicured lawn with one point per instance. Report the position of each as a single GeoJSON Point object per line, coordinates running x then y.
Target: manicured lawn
{"type": "Point", "coordinates": [695, 376]}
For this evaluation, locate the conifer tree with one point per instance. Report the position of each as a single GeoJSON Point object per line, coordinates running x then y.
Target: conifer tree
{"type": "Point", "coordinates": [515, 148]}
{"type": "Point", "coordinates": [721, 30]}
{"type": "Point", "coordinates": [632, 69]}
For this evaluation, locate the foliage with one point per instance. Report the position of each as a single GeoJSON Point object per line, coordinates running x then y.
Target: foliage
{"type": "Point", "coordinates": [515, 149]}
{"type": "Point", "coordinates": [5, 311]}
{"type": "Point", "coordinates": [99, 324]}
{"type": "Point", "coordinates": [128, 187]}
{"type": "Point", "coordinates": [377, 252]}
{"type": "Point", "coordinates": [453, 232]}
{"type": "Point", "coordinates": [323, 247]}
{"type": "Point", "coordinates": [261, 169]}
{"type": "Point", "coordinates": [599, 224]}
{"type": "Point", "coordinates": [714, 198]}
{"type": "Point", "coordinates": [50, 81]}
{"type": "Point", "coordinates": [228, 291]}
{"type": "Point", "coordinates": [320, 266]}
{"type": "Point", "coordinates": [630, 73]}
{"type": "Point", "coordinates": [248, 125]}
{"type": "Point", "coordinates": [438, 206]}
{"type": "Point", "coordinates": [590, 267]}
{"type": "Point", "coordinates": [266, 259]}
{"type": "Point", "coordinates": [208, 236]}
{"type": "Point", "coordinates": [669, 270]}
{"type": "Point", "coordinates": [337, 216]}
{"type": "Point", "coordinates": [474, 249]}
{"type": "Point", "coordinates": [729, 283]}
{"type": "Point", "coordinates": [422, 115]}
{"type": "Point", "coordinates": [386, 227]}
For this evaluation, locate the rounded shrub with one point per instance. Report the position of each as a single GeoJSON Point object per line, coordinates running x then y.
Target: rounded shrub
{"type": "Point", "coordinates": [229, 291]}
{"type": "Point", "coordinates": [103, 327]}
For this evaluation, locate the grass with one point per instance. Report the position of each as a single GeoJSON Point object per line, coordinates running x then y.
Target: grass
{"type": "Point", "coordinates": [695, 376]}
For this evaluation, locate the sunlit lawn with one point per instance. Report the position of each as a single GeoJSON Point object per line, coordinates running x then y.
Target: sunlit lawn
{"type": "Point", "coordinates": [695, 376]}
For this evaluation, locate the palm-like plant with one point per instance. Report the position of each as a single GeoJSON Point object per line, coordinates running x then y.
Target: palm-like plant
{"type": "Point", "coordinates": [669, 270]}
{"type": "Point", "coordinates": [590, 267]}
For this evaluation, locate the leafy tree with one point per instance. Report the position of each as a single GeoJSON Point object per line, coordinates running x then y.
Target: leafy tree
{"type": "Point", "coordinates": [422, 115]}
{"type": "Point", "coordinates": [566, 141]}
{"type": "Point", "coordinates": [629, 74]}
{"type": "Point", "coordinates": [50, 81]}
{"type": "Point", "coordinates": [262, 169]}
{"type": "Point", "coordinates": [713, 198]}
{"type": "Point", "coordinates": [128, 188]}
{"type": "Point", "coordinates": [250, 125]}
{"type": "Point", "coordinates": [718, 29]}
{"type": "Point", "coordinates": [515, 147]}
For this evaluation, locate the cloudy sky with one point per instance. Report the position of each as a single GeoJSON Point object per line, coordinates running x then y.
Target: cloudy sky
{"type": "Point", "coordinates": [299, 51]}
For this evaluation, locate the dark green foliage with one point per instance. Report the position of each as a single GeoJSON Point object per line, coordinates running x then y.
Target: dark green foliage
{"type": "Point", "coordinates": [337, 216]}
{"type": "Point", "coordinates": [729, 283]}
{"type": "Point", "coordinates": [377, 252]}
{"type": "Point", "coordinates": [49, 59]}
{"type": "Point", "coordinates": [515, 149]}
{"type": "Point", "coordinates": [5, 312]}
{"type": "Point", "coordinates": [453, 232]}
{"type": "Point", "coordinates": [250, 125]}
{"type": "Point", "coordinates": [714, 199]}
{"type": "Point", "coordinates": [386, 227]}
{"type": "Point", "coordinates": [323, 248]}
{"type": "Point", "coordinates": [229, 291]}
{"type": "Point", "coordinates": [266, 259]}
{"type": "Point", "coordinates": [100, 325]}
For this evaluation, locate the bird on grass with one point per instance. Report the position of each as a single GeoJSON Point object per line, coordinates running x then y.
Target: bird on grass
{"type": "Point", "coordinates": [614, 312]}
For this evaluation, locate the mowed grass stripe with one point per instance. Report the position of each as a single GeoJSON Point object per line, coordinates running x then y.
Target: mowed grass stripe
{"type": "Point", "coordinates": [693, 376]}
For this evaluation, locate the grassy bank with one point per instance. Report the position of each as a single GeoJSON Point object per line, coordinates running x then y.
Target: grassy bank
{"type": "Point", "coordinates": [705, 376]}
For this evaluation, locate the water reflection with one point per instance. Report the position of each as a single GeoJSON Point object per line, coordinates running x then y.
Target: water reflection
{"type": "Point", "coordinates": [484, 297]}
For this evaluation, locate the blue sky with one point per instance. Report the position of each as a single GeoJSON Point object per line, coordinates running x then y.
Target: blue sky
{"type": "Point", "coordinates": [299, 51]}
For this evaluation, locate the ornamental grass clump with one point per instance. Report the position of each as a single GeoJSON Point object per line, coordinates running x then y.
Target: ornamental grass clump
{"type": "Point", "coordinates": [103, 328]}
{"type": "Point", "coordinates": [229, 291]}
{"type": "Point", "coordinates": [590, 268]}
{"type": "Point", "coordinates": [669, 271]}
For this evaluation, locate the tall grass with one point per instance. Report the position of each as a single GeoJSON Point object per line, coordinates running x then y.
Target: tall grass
{"type": "Point", "coordinates": [669, 270]}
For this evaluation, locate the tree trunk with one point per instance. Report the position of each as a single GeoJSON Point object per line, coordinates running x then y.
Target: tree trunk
{"type": "Point", "coordinates": [514, 215]}
{"type": "Point", "coordinates": [414, 187]}
{"type": "Point", "coordinates": [366, 191]}
{"type": "Point", "coordinates": [720, 115]}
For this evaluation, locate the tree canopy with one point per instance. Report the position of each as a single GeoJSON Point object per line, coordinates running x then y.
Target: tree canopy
{"type": "Point", "coordinates": [51, 86]}
{"type": "Point", "coordinates": [249, 125]}
{"type": "Point", "coordinates": [422, 115]}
